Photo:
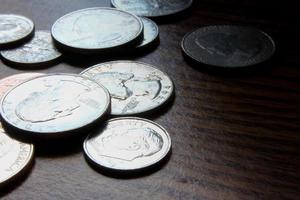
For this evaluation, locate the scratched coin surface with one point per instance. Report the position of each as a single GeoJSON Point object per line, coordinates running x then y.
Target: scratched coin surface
{"type": "Point", "coordinates": [134, 87]}
{"type": "Point", "coordinates": [152, 8]}
{"type": "Point", "coordinates": [14, 28]}
{"type": "Point", "coordinates": [128, 144]}
{"type": "Point", "coordinates": [97, 29]}
{"type": "Point", "coordinates": [15, 156]}
{"type": "Point", "coordinates": [11, 81]}
{"type": "Point", "coordinates": [151, 33]}
{"type": "Point", "coordinates": [40, 50]}
{"type": "Point", "coordinates": [54, 105]}
{"type": "Point", "coordinates": [228, 46]}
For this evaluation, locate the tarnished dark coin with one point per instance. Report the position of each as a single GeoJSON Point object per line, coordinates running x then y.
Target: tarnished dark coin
{"type": "Point", "coordinates": [152, 8]}
{"type": "Point", "coordinates": [55, 105]}
{"type": "Point", "coordinates": [15, 157]}
{"type": "Point", "coordinates": [134, 87]}
{"type": "Point", "coordinates": [228, 46]}
{"type": "Point", "coordinates": [97, 30]}
{"type": "Point", "coordinates": [128, 144]}
{"type": "Point", "coordinates": [151, 33]}
{"type": "Point", "coordinates": [14, 28]}
{"type": "Point", "coordinates": [37, 52]}
{"type": "Point", "coordinates": [11, 81]}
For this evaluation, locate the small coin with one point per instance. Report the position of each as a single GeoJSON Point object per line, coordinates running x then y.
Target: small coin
{"type": "Point", "coordinates": [54, 105]}
{"type": "Point", "coordinates": [96, 30]}
{"type": "Point", "coordinates": [134, 87]}
{"type": "Point", "coordinates": [11, 81]}
{"type": "Point", "coordinates": [228, 46]}
{"type": "Point", "coordinates": [151, 32]}
{"type": "Point", "coordinates": [128, 144]}
{"type": "Point", "coordinates": [39, 51]}
{"type": "Point", "coordinates": [152, 8]}
{"type": "Point", "coordinates": [14, 28]}
{"type": "Point", "coordinates": [15, 156]}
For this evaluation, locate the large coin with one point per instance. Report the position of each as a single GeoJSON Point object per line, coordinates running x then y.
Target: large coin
{"type": "Point", "coordinates": [11, 81]}
{"type": "Point", "coordinates": [96, 30]}
{"type": "Point", "coordinates": [55, 105]}
{"type": "Point", "coordinates": [128, 144]}
{"type": "Point", "coordinates": [39, 51]}
{"type": "Point", "coordinates": [152, 8]}
{"type": "Point", "coordinates": [151, 33]}
{"type": "Point", "coordinates": [15, 156]}
{"type": "Point", "coordinates": [228, 46]}
{"type": "Point", "coordinates": [134, 87]}
{"type": "Point", "coordinates": [14, 28]}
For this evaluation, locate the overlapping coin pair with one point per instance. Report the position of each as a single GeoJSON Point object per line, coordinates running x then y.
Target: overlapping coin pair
{"type": "Point", "coordinates": [64, 105]}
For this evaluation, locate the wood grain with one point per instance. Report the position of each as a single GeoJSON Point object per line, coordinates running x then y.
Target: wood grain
{"type": "Point", "coordinates": [236, 135]}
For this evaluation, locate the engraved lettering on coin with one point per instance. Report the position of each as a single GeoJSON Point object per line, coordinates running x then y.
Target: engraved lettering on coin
{"type": "Point", "coordinates": [134, 87]}
{"type": "Point", "coordinates": [54, 104]}
{"type": "Point", "coordinates": [128, 143]}
{"type": "Point", "coordinates": [14, 28]}
{"type": "Point", "coordinates": [228, 46]}
{"type": "Point", "coordinates": [14, 156]}
{"type": "Point", "coordinates": [152, 8]}
{"type": "Point", "coordinates": [96, 29]}
{"type": "Point", "coordinates": [37, 51]}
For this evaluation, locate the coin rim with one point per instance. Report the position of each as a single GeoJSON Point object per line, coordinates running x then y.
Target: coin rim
{"type": "Point", "coordinates": [29, 160]}
{"type": "Point", "coordinates": [67, 47]}
{"type": "Point", "coordinates": [55, 134]}
{"type": "Point", "coordinates": [140, 63]}
{"type": "Point", "coordinates": [186, 51]}
{"type": "Point", "coordinates": [156, 36]}
{"type": "Point", "coordinates": [159, 15]}
{"type": "Point", "coordinates": [157, 161]}
{"type": "Point", "coordinates": [30, 64]}
{"type": "Point", "coordinates": [25, 37]}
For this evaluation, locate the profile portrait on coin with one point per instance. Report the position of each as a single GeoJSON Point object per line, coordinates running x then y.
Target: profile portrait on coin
{"type": "Point", "coordinates": [54, 101]}
{"type": "Point", "coordinates": [128, 144]}
{"type": "Point", "coordinates": [96, 28]}
{"type": "Point", "coordinates": [229, 45]}
{"type": "Point", "coordinates": [131, 88]}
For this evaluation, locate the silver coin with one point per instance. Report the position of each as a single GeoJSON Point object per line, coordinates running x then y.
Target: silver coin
{"type": "Point", "coordinates": [14, 28]}
{"type": "Point", "coordinates": [40, 50]}
{"type": "Point", "coordinates": [228, 46]}
{"type": "Point", "coordinates": [97, 29]}
{"type": "Point", "coordinates": [152, 8]}
{"type": "Point", "coordinates": [15, 156]}
{"type": "Point", "coordinates": [128, 144]}
{"type": "Point", "coordinates": [134, 87]}
{"type": "Point", "coordinates": [151, 32]}
{"type": "Point", "coordinates": [55, 105]}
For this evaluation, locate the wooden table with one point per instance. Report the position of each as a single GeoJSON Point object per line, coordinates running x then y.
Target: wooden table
{"type": "Point", "coordinates": [236, 135]}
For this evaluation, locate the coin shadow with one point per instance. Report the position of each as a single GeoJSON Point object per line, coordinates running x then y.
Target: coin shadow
{"type": "Point", "coordinates": [248, 71]}
{"type": "Point", "coordinates": [16, 181]}
{"type": "Point", "coordinates": [129, 174]}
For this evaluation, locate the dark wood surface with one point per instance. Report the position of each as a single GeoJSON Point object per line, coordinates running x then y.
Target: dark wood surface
{"type": "Point", "coordinates": [236, 135]}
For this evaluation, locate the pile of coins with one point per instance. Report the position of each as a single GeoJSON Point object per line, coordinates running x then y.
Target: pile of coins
{"type": "Point", "coordinates": [58, 106]}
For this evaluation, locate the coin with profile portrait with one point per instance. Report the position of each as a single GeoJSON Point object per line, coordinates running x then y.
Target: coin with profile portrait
{"type": "Point", "coordinates": [54, 105]}
{"type": "Point", "coordinates": [134, 87]}
{"type": "Point", "coordinates": [127, 144]}
{"type": "Point", "coordinates": [98, 29]}
{"type": "Point", "coordinates": [14, 29]}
